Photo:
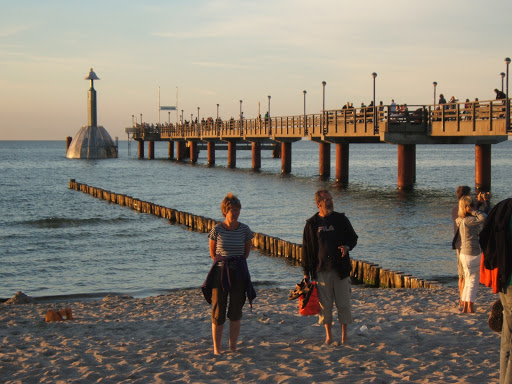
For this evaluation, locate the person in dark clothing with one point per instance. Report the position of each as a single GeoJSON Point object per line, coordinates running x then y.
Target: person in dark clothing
{"type": "Point", "coordinates": [327, 239]}
{"type": "Point", "coordinates": [496, 243]}
{"type": "Point", "coordinates": [500, 95]}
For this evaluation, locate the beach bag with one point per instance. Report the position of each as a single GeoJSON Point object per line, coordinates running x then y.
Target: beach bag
{"type": "Point", "coordinates": [308, 303]}
{"type": "Point", "coordinates": [496, 317]}
{"type": "Point", "coordinates": [60, 315]}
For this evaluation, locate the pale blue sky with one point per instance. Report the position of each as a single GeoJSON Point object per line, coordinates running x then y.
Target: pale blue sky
{"type": "Point", "coordinates": [223, 51]}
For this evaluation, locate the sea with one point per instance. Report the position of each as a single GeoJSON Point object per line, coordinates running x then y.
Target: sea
{"type": "Point", "coordinates": [59, 242]}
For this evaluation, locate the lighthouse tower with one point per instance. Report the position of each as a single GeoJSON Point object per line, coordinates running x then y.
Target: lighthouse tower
{"type": "Point", "coordinates": [92, 141]}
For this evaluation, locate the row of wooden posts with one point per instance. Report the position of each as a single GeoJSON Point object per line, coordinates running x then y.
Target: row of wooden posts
{"type": "Point", "coordinates": [362, 272]}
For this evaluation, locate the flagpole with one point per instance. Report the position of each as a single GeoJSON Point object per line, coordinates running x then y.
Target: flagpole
{"type": "Point", "coordinates": [177, 109]}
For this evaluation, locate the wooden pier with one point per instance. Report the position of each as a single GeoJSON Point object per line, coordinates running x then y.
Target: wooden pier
{"type": "Point", "coordinates": [480, 123]}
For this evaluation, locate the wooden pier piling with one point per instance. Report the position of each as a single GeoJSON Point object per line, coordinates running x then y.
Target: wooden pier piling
{"type": "Point", "coordinates": [369, 274]}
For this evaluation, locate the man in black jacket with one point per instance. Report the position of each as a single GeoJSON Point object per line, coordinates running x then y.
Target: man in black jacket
{"type": "Point", "coordinates": [327, 239]}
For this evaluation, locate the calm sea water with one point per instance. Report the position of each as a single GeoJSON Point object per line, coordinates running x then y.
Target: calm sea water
{"type": "Point", "coordinates": [55, 241]}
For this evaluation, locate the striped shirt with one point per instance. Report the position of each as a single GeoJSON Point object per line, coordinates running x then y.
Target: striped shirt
{"type": "Point", "coordinates": [231, 243]}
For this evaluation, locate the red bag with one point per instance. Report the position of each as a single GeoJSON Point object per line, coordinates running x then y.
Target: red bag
{"type": "Point", "coordinates": [60, 315]}
{"type": "Point", "coordinates": [308, 303]}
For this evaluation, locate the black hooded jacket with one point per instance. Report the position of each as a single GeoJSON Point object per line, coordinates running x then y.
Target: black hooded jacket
{"type": "Point", "coordinates": [495, 241]}
{"type": "Point", "coordinates": [345, 236]}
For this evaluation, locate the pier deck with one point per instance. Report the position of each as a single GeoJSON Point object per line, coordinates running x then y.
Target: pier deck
{"type": "Point", "coordinates": [480, 123]}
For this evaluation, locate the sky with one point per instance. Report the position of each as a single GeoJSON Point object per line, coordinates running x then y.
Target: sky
{"type": "Point", "coordinates": [213, 52]}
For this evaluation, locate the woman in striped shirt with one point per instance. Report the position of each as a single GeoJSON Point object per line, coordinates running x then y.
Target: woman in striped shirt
{"type": "Point", "coordinates": [230, 243]}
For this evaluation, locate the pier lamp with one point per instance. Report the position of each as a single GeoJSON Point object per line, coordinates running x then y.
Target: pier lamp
{"type": "Point", "coordinates": [133, 120]}
{"type": "Point", "coordinates": [217, 112]}
{"type": "Point", "coordinates": [323, 104]}
{"type": "Point", "coordinates": [502, 74]}
{"type": "Point", "coordinates": [507, 61]}
{"type": "Point", "coordinates": [375, 123]}
{"type": "Point", "coordinates": [198, 115]}
{"type": "Point", "coordinates": [191, 120]}
{"type": "Point", "coordinates": [435, 86]}
{"type": "Point", "coordinates": [182, 117]}
{"type": "Point", "coordinates": [169, 118]}
{"type": "Point", "coordinates": [240, 110]}
{"type": "Point", "coordinates": [305, 124]}
{"type": "Point", "coordinates": [141, 119]}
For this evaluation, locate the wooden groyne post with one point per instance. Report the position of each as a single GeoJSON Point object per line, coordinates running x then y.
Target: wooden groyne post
{"type": "Point", "coordinates": [363, 272]}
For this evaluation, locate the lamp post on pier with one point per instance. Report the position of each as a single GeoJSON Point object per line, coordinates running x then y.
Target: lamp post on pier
{"type": "Point", "coordinates": [198, 114]}
{"type": "Point", "coordinates": [241, 110]}
{"type": "Point", "coordinates": [182, 117]}
{"type": "Point", "coordinates": [375, 123]}
{"type": "Point", "coordinates": [435, 86]}
{"type": "Point", "coordinates": [141, 119]}
{"type": "Point", "coordinates": [305, 121]}
{"type": "Point", "coordinates": [217, 112]}
{"type": "Point", "coordinates": [502, 74]}
{"type": "Point", "coordinates": [268, 113]}
{"type": "Point", "coordinates": [507, 124]}
{"type": "Point", "coordinates": [323, 106]}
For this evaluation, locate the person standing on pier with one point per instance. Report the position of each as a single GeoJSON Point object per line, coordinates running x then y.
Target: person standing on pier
{"type": "Point", "coordinates": [500, 95]}
{"type": "Point", "coordinates": [230, 244]}
{"type": "Point", "coordinates": [327, 239]}
{"type": "Point", "coordinates": [442, 100]}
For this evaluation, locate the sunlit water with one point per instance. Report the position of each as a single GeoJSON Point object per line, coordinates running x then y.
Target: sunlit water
{"type": "Point", "coordinates": [56, 241]}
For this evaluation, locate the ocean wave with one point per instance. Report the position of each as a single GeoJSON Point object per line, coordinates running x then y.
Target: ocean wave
{"type": "Point", "coordinates": [63, 222]}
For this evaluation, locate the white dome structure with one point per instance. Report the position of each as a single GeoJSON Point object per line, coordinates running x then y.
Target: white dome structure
{"type": "Point", "coordinates": [92, 141]}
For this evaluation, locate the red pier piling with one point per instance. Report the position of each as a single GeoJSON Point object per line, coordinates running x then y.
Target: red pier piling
{"type": "Point", "coordinates": [483, 167]}
{"type": "Point", "coordinates": [342, 159]}
{"type": "Point", "coordinates": [324, 159]}
{"type": "Point", "coordinates": [286, 157]}
{"type": "Point", "coordinates": [406, 166]}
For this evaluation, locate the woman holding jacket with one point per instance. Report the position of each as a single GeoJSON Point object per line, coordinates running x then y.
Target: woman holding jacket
{"type": "Point", "coordinates": [470, 223]}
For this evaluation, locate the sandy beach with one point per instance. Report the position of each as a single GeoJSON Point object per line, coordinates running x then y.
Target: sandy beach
{"type": "Point", "coordinates": [399, 336]}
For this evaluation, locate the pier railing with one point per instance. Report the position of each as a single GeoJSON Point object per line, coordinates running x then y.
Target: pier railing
{"type": "Point", "coordinates": [457, 119]}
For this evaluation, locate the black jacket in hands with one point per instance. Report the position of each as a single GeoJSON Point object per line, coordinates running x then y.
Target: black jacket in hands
{"type": "Point", "coordinates": [346, 236]}
{"type": "Point", "coordinates": [495, 241]}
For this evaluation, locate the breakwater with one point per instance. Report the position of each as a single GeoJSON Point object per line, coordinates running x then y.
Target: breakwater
{"type": "Point", "coordinates": [363, 272]}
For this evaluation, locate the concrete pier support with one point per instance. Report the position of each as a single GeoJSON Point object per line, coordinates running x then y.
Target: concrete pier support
{"type": "Point", "coordinates": [210, 148]}
{"type": "Point", "coordinates": [180, 150]}
{"type": "Point", "coordinates": [406, 166]}
{"type": "Point", "coordinates": [151, 149]}
{"type": "Point", "coordinates": [342, 159]}
{"type": "Point", "coordinates": [324, 158]}
{"type": "Point", "coordinates": [483, 167]}
{"type": "Point", "coordinates": [192, 145]}
{"type": "Point", "coordinates": [286, 157]}
{"type": "Point", "coordinates": [231, 154]}
{"type": "Point", "coordinates": [256, 156]}
{"type": "Point", "coordinates": [171, 150]}
{"type": "Point", "coordinates": [141, 149]}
